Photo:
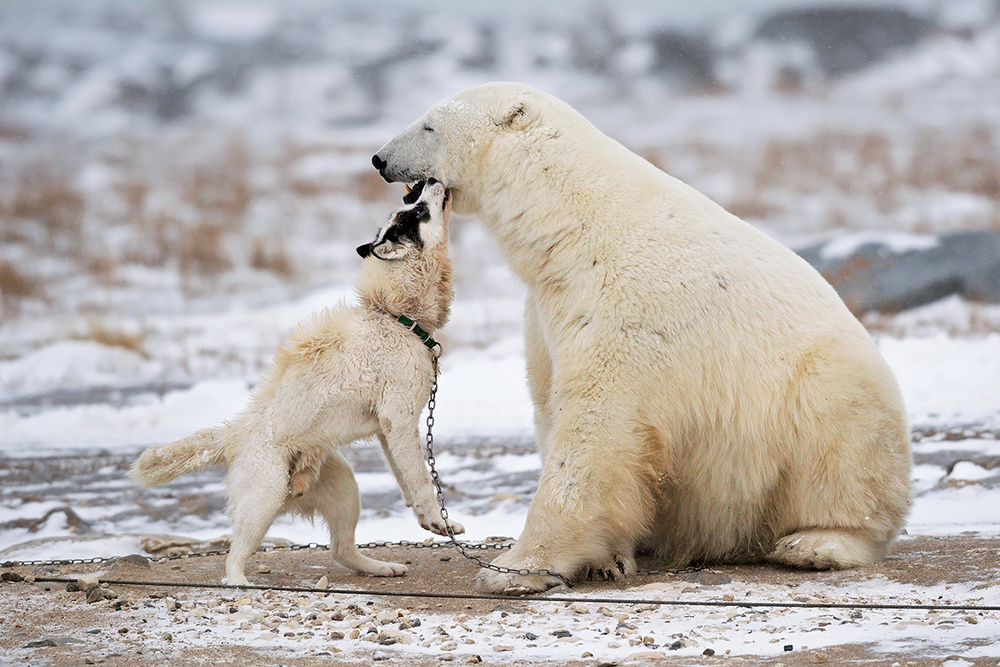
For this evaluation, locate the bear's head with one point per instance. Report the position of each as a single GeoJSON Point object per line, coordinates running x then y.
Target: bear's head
{"type": "Point", "coordinates": [455, 142]}
{"type": "Point", "coordinates": [419, 225]}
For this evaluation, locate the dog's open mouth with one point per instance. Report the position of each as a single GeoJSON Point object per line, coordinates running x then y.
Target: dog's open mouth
{"type": "Point", "coordinates": [418, 186]}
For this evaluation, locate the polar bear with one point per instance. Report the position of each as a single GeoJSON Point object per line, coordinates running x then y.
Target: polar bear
{"type": "Point", "coordinates": [700, 393]}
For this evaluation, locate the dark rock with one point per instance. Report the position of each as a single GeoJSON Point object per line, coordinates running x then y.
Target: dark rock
{"type": "Point", "coordinates": [846, 39]}
{"type": "Point", "coordinates": [51, 641]}
{"type": "Point", "coordinates": [707, 578]}
{"type": "Point", "coordinates": [11, 576]}
{"type": "Point", "coordinates": [876, 277]}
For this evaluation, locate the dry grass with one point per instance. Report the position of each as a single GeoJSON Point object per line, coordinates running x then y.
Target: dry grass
{"type": "Point", "coordinates": [16, 286]}
{"type": "Point", "coordinates": [969, 162]}
{"type": "Point", "coordinates": [270, 253]}
{"type": "Point", "coordinates": [44, 194]}
{"type": "Point", "coordinates": [202, 251]}
{"type": "Point", "coordinates": [109, 335]}
{"type": "Point", "coordinates": [868, 171]}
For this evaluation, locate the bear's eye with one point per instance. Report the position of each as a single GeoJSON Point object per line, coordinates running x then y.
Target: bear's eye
{"type": "Point", "coordinates": [428, 128]}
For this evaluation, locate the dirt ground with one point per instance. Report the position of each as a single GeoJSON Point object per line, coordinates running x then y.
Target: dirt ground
{"type": "Point", "coordinates": [44, 624]}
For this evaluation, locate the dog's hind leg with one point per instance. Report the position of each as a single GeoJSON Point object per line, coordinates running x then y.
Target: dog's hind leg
{"type": "Point", "coordinates": [335, 496]}
{"type": "Point", "coordinates": [257, 490]}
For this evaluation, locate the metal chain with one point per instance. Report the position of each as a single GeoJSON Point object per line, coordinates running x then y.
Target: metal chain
{"type": "Point", "coordinates": [461, 548]}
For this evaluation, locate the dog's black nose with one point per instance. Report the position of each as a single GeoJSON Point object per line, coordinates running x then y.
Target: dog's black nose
{"type": "Point", "coordinates": [378, 163]}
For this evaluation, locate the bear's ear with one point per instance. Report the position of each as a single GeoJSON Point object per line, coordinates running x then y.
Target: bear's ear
{"type": "Point", "coordinates": [516, 116]}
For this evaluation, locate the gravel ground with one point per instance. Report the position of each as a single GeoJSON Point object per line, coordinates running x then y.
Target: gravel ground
{"type": "Point", "coordinates": [176, 621]}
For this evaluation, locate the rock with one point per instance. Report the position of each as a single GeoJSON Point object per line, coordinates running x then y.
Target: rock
{"type": "Point", "coordinates": [707, 578]}
{"type": "Point", "coordinates": [97, 594]}
{"type": "Point", "coordinates": [894, 272]}
{"type": "Point", "coordinates": [11, 576]}
{"type": "Point", "coordinates": [820, 657]}
{"type": "Point", "coordinates": [88, 581]}
{"type": "Point", "coordinates": [324, 582]}
{"type": "Point", "coordinates": [502, 648]}
{"type": "Point", "coordinates": [129, 562]}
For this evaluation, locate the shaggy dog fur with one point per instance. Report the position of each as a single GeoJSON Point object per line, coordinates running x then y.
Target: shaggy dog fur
{"type": "Point", "coordinates": [346, 374]}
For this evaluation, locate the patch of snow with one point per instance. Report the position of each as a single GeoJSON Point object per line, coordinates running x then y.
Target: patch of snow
{"type": "Point", "coordinates": [898, 242]}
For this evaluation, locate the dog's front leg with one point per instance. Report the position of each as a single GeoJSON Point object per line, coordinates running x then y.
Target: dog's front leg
{"type": "Point", "coordinates": [405, 488]}
{"type": "Point", "coordinates": [401, 443]}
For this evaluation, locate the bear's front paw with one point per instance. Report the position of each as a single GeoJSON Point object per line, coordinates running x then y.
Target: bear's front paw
{"type": "Point", "coordinates": [512, 583]}
{"type": "Point", "coordinates": [618, 567]}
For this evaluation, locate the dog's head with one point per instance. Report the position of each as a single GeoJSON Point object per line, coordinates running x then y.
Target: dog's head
{"type": "Point", "coordinates": [420, 224]}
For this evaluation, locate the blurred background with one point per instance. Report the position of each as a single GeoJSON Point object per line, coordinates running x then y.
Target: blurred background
{"type": "Point", "coordinates": [169, 166]}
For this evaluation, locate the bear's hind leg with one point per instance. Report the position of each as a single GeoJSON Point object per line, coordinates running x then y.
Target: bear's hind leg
{"type": "Point", "coordinates": [847, 488]}
{"type": "Point", "coordinates": [827, 549]}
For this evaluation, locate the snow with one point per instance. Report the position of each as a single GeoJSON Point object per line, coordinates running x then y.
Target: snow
{"type": "Point", "coordinates": [847, 244]}
{"type": "Point", "coordinates": [302, 91]}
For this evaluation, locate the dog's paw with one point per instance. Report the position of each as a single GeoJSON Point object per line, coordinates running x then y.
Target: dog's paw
{"type": "Point", "coordinates": [382, 568]}
{"type": "Point", "coordinates": [436, 524]}
{"type": "Point", "coordinates": [618, 567]}
{"type": "Point", "coordinates": [235, 580]}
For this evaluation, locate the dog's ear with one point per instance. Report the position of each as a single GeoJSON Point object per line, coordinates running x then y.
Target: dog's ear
{"type": "Point", "coordinates": [365, 250]}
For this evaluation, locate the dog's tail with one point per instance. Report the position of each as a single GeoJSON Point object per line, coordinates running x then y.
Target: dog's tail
{"type": "Point", "coordinates": [163, 463]}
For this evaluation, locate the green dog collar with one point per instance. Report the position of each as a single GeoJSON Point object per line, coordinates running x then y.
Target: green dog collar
{"type": "Point", "coordinates": [421, 334]}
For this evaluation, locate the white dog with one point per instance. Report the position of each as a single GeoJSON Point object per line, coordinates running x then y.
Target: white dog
{"type": "Point", "coordinates": [345, 374]}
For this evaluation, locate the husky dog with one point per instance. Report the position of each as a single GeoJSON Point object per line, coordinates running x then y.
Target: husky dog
{"type": "Point", "coordinates": [344, 374]}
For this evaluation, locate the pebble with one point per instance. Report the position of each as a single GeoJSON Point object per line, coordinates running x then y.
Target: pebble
{"type": "Point", "coordinates": [707, 578]}
{"type": "Point", "coordinates": [324, 582]}
{"type": "Point", "coordinates": [130, 561]}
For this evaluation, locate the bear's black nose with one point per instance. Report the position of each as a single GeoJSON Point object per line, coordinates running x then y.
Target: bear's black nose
{"type": "Point", "coordinates": [378, 163]}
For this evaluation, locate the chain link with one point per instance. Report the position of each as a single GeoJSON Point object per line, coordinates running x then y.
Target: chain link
{"type": "Point", "coordinates": [461, 548]}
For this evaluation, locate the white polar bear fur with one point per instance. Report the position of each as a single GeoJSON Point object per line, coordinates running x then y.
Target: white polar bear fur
{"type": "Point", "coordinates": [700, 391]}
